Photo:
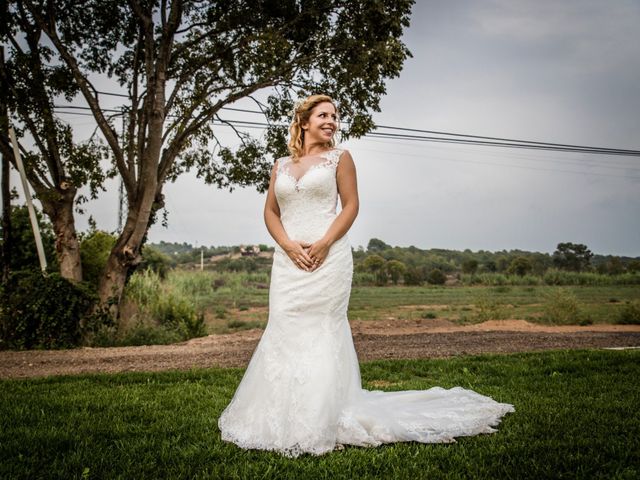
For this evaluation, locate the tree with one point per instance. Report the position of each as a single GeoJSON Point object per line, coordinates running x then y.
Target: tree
{"type": "Point", "coordinates": [520, 266]}
{"type": "Point", "coordinates": [413, 276]}
{"type": "Point", "coordinates": [58, 167]}
{"type": "Point", "coordinates": [633, 266]}
{"type": "Point", "coordinates": [490, 266]}
{"type": "Point", "coordinates": [470, 266]}
{"type": "Point", "coordinates": [395, 269]}
{"type": "Point", "coordinates": [376, 265]}
{"type": "Point", "coordinates": [572, 256]}
{"type": "Point", "coordinates": [180, 62]}
{"type": "Point", "coordinates": [377, 245]}
{"type": "Point", "coordinates": [436, 277]}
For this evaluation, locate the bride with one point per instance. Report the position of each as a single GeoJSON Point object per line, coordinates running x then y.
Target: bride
{"type": "Point", "coordinates": [301, 392]}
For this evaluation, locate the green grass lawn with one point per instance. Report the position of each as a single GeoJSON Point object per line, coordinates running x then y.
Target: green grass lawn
{"type": "Point", "coordinates": [576, 417]}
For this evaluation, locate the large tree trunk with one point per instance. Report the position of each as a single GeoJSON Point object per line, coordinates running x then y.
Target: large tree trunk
{"type": "Point", "coordinates": [60, 212]}
{"type": "Point", "coordinates": [126, 254]}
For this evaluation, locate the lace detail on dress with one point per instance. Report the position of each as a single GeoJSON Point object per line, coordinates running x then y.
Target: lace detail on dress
{"type": "Point", "coordinates": [296, 172]}
{"type": "Point", "coordinates": [307, 194]}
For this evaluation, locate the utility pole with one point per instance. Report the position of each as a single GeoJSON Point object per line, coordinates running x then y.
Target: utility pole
{"type": "Point", "coordinates": [27, 195]}
{"type": "Point", "coordinates": [121, 187]}
{"type": "Point", "coordinates": [6, 192]}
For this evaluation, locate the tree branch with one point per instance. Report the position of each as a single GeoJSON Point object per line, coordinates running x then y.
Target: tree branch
{"type": "Point", "coordinates": [85, 87]}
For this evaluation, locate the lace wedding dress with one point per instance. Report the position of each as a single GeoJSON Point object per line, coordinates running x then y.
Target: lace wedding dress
{"type": "Point", "coordinates": [301, 392]}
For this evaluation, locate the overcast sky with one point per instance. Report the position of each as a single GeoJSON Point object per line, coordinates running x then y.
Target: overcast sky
{"type": "Point", "coordinates": [554, 71]}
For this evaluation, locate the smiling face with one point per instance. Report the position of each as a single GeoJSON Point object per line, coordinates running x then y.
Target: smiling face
{"type": "Point", "coordinates": [322, 124]}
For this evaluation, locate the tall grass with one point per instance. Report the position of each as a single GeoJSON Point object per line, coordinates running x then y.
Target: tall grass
{"type": "Point", "coordinates": [551, 277]}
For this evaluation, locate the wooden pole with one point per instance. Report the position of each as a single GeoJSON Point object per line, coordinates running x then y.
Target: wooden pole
{"type": "Point", "coordinates": [27, 194]}
{"type": "Point", "coordinates": [7, 236]}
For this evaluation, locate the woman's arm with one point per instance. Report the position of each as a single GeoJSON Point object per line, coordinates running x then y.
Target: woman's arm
{"type": "Point", "coordinates": [294, 249]}
{"type": "Point", "coordinates": [348, 189]}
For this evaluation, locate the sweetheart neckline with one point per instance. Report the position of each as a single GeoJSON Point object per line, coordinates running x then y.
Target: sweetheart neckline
{"type": "Point", "coordinates": [296, 181]}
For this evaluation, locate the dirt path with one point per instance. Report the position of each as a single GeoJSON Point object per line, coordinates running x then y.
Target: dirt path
{"type": "Point", "coordinates": [373, 340]}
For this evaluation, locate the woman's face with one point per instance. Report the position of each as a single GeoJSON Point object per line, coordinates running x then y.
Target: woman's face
{"type": "Point", "coordinates": [322, 124]}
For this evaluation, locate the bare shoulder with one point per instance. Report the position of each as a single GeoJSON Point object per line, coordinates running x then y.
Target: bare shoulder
{"type": "Point", "coordinates": [346, 160]}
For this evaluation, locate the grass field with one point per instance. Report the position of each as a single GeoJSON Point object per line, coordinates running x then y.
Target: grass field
{"type": "Point", "coordinates": [576, 417]}
{"type": "Point", "coordinates": [591, 304]}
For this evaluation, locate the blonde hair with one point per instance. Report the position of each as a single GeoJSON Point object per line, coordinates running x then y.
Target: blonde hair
{"type": "Point", "coordinates": [301, 115]}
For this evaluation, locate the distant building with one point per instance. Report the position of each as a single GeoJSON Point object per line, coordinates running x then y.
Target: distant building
{"type": "Point", "coordinates": [249, 250]}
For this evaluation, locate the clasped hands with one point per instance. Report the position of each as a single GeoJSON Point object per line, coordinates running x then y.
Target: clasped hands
{"type": "Point", "coordinates": [307, 256]}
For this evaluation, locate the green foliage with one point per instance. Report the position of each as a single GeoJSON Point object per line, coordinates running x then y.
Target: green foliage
{"type": "Point", "coordinates": [488, 307]}
{"type": "Point", "coordinates": [395, 269]}
{"type": "Point", "coordinates": [630, 313]}
{"type": "Point", "coordinates": [558, 277]}
{"type": "Point", "coordinates": [413, 276]}
{"type": "Point", "coordinates": [42, 312]}
{"type": "Point", "coordinates": [24, 255]}
{"type": "Point", "coordinates": [470, 266]}
{"type": "Point", "coordinates": [374, 263]}
{"type": "Point", "coordinates": [94, 252]}
{"type": "Point", "coordinates": [167, 305]}
{"type": "Point", "coordinates": [156, 261]}
{"type": "Point", "coordinates": [177, 314]}
{"type": "Point", "coordinates": [572, 256]}
{"type": "Point", "coordinates": [436, 277]}
{"type": "Point", "coordinates": [377, 245]}
{"type": "Point", "coordinates": [363, 278]}
{"type": "Point", "coordinates": [520, 266]}
{"type": "Point", "coordinates": [561, 308]}
{"type": "Point", "coordinates": [240, 264]}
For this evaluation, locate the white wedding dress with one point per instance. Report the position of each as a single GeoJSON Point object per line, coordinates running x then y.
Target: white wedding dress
{"type": "Point", "coordinates": [301, 392]}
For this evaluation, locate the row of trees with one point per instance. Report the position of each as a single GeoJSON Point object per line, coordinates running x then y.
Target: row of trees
{"type": "Point", "coordinates": [176, 65]}
{"type": "Point", "coordinates": [414, 265]}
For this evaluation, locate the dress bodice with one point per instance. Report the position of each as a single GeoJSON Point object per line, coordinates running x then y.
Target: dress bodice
{"type": "Point", "coordinates": [307, 194]}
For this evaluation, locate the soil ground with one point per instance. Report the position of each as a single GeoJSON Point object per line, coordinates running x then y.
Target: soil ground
{"type": "Point", "coordinates": [373, 339]}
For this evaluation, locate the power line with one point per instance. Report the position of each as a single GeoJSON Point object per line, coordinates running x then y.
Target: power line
{"type": "Point", "coordinates": [449, 137]}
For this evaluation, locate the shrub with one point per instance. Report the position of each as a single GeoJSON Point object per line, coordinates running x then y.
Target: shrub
{"type": "Point", "coordinates": [43, 312]}
{"type": "Point", "coordinates": [436, 277]}
{"type": "Point", "coordinates": [413, 276]}
{"type": "Point", "coordinates": [146, 334]}
{"type": "Point", "coordinates": [630, 313]}
{"type": "Point", "coordinates": [24, 255]}
{"type": "Point", "coordinates": [364, 278]}
{"type": "Point", "coordinates": [561, 307]}
{"type": "Point", "coordinates": [395, 269]}
{"type": "Point", "coordinates": [94, 252]}
{"type": "Point", "coordinates": [520, 266]}
{"type": "Point", "coordinates": [156, 261]}
{"type": "Point", "coordinates": [176, 313]}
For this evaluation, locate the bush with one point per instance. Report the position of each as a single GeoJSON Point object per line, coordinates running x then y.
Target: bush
{"type": "Point", "coordinates": [176, 313]}
{"type": "Point", "coordinates": [43, 312]}
{"type": "Point", "coordinates": [630, 313]}
{"type": "Point", "coordinates": [520, 266]}
{"type": "Point", "coordinates": [94, 252]}
{"type": "Point", "coordinates": [561, 307]}
{"type": "Point", "coordinates": [24, 255]}
{"type": "Point", "coordinates": [156, 261]}
{"type": "Point", "coordinates": [413, 276]}
{"type": "Point", "coordinates": [488, 308]}
{"type": "Point", "coordinates": [436, 277]}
